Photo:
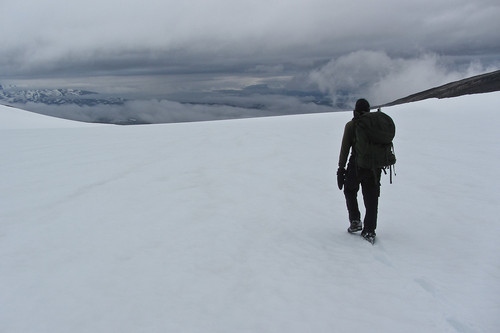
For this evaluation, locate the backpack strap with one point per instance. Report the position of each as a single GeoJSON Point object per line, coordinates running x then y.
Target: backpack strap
{"type": "Point", "coordinates": [391, 167]}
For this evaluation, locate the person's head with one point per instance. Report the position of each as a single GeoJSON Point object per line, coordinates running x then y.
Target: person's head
{"type": "Point", "coordinates": [362, 106]}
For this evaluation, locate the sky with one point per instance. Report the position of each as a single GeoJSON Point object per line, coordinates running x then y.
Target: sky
{"type": "Point", "coordinates": [192, 50]}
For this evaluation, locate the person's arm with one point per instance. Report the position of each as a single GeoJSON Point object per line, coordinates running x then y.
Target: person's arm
{"type": "Point", "coordinates": [347, 141]}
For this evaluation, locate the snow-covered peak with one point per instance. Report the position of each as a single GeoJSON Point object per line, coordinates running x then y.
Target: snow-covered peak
{"type": "Point", "coordinates": [15, 95]}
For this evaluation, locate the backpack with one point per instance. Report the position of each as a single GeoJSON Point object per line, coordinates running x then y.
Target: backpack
{"type": "Point", "coordinates": [373, 147]}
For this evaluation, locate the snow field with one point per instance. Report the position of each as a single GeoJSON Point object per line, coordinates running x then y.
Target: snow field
{"type": "Point", "coordinates": [238, 226]}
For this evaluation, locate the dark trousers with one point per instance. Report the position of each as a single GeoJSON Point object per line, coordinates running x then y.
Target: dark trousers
{"type": "Point", "coordinates": [370, 187]}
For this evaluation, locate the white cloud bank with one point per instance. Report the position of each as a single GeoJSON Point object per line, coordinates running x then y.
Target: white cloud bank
{"type": "Point", "coordinates": [381, 79]}
{"type": "Point", "coordinates": [167, 111]}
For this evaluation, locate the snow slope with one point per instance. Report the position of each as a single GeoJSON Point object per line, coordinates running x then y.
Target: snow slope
{"type": "Point", "coordinates": [238, 226]}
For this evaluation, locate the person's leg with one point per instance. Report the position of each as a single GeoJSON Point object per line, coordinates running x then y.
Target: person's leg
{"type": "Point", "coordinates": [351, 188]}
{"type": "Point", "coordinates": [370, 184]}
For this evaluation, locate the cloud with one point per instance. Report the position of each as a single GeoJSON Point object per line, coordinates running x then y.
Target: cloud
{"type": "Point", "coordinates": [381, 79]}
{"type": "Point", "coordinates": [166, 111]}
{"type": "Point", "coordinates": [165, 52]}
{"type": "Point", "coordinates": [56, 37]}
{"type": "Point", "coordinates": [370, 74]}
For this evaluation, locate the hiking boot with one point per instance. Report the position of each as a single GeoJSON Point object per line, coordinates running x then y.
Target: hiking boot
{"type": "Point", "coordinates": [369, 236]}
{"type": "Point", "coordinates": [355, 226]}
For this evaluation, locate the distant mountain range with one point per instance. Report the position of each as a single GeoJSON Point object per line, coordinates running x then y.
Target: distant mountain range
{"type": "Point", "coordinates": [483, 83]}
{"type": "Point", "coordinates": [14, 95]}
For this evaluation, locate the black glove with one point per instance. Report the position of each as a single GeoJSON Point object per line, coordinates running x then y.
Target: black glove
{"type": "Point", "coordinates": [340, 177]}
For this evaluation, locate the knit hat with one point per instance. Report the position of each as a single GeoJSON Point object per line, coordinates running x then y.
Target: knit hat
{"type": "Point", "coordinates": [362, 106]}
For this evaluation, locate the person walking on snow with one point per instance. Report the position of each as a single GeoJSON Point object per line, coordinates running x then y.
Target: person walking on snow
{"type": "Point", "coordinates": [354, 177]}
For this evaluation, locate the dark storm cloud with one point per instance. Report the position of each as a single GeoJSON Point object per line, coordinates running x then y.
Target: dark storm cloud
{"type": "Point", "coordinates": [126, 34]}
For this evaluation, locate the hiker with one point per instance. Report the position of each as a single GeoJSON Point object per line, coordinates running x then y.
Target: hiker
{"type": "Point", "coordinates": [354, 176]}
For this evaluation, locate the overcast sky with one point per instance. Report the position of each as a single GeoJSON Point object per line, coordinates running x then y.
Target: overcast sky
{"type": "Point", "coordinates": [387, 47]}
